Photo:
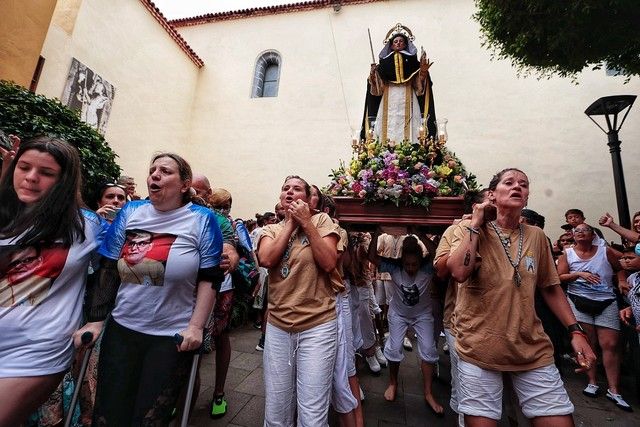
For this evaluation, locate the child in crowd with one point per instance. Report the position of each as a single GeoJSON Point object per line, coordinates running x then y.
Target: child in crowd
{"type": "Point", "coordinates": [410, 305]}
{"type": "Point", "coordinates": [630, 262]}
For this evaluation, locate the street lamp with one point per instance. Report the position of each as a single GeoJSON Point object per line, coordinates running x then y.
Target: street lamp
{"type": "Point", "coordinates": [610, 107]}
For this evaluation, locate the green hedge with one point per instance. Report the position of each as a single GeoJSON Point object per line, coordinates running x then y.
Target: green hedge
{"type": "Point", "coordinates": [26, 115]}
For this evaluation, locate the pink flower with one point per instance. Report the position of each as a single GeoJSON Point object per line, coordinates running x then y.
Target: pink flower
{"type": "Point", "coordinates": [419, 188]}
{"type": "Point", "coordinates": [391, 181]}
{"type": "Point", "coordinates": [356, 187]}
{"type": "Point", "coordinates": [362, 193]}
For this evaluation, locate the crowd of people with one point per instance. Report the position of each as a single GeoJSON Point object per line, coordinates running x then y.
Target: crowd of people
{"type": "Point", "coordinates": [131, 273]}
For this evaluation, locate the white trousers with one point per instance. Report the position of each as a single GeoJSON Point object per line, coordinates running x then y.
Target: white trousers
{"type": "Point", "coordinates": [298, 373]}
{"type": "Point", "coordinates": [422, 324]}
{"type": "Point", "coordinates": [364, 334]}
{"type": "Point", "coordinates": [342, 399]}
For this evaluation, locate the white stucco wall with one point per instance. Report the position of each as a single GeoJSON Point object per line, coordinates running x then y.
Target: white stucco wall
{"type": "Point", "coordinates": [154, 79]}
{"type": "Point", "coordinates": [248, 145]}
{"type": "Point", "coordinates": [495, 118]}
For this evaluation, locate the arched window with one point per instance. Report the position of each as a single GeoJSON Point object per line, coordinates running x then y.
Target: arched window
{"type": "Point", "coordinates": [266, 78]}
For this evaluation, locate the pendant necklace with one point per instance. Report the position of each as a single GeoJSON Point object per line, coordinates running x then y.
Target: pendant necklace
{"type": "Point", "coordinates": [284, 270]}
{"type": "Point", "coordinates": [517, 278]}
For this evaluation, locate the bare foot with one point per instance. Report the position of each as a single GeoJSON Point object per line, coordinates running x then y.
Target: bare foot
{"type": "Point", "coordinates": [433, 403]}
{"type": "Point", "coordinates": [390, 393]}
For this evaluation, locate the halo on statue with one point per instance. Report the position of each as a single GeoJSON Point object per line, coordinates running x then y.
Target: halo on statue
{"type": "Point", "coordinates": [398, 29]}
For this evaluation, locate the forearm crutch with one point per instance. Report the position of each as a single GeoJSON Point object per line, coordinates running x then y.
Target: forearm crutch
{"type": "Point", "coordinates": [86, 338]}
{"type": "Point", "coordinates": [192, 380]}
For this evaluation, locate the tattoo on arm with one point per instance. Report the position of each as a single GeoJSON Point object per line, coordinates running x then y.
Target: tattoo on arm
{"type": "Point", "coordinates": [467, 258]}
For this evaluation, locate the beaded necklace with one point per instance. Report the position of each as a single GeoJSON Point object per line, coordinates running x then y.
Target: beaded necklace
{"type": "Point", "coordinates": [517, 278]}
{"type": "Point", "coordinates": [284, 270]}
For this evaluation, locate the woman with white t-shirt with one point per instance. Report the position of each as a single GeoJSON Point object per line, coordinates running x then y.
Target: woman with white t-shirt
{"type": "Point", "coordinates": [46, 242]}
{"type": "Point", "coordinates": [141, 369]}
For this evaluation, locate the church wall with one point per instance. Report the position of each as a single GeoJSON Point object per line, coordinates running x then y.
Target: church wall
{"type": "Point", "coordinates": [496, 119]}
{"type": "Point", "coordinates": [23, 27]}
{"type": "Point", "coordinates": [153, 78]}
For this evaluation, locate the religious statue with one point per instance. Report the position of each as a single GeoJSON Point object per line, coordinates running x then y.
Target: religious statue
{"type": "Point", "coordinates": [399, 93]}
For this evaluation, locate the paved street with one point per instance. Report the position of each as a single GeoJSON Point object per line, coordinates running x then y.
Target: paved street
{"type": "Point", "coordinates": [245, 394]}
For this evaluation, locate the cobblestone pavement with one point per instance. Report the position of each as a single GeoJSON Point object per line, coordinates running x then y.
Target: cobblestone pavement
{"type": "Point", "coordinates": [245, 394]}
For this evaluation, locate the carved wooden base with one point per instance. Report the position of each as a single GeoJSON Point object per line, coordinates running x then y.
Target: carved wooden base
{"type": "Point", "coordinates": [354, 213]}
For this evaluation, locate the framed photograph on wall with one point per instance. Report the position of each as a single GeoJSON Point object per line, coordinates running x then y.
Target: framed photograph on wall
{"type": "Point", "coordinates": [90, 94]}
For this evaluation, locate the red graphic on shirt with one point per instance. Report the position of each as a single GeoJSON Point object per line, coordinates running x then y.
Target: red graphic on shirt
{"type": "Point", "coordinates": [144, 256]}
{"type": "Point", "coordinates": [27, 273]}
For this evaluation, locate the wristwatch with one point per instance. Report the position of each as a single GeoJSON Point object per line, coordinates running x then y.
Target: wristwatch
{"type": "Point", "coordinates": [576, 328]}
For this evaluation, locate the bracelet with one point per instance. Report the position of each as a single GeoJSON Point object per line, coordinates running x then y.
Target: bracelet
{"type": "Point", "coordinates": [472, 231]}
{"type": "Point", "coordinates": [580, 333]}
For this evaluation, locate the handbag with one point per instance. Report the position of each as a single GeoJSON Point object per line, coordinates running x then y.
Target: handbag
{"type": "Point", "coordinates": [590, 306]}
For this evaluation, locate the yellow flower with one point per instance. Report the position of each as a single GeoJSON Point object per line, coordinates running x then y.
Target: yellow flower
{"type": "Point", "coordinates": [444, 170]}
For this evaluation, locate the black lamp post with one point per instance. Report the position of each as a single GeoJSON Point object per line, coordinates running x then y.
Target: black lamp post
{"type": "Point", "coordinates": [610, 107]}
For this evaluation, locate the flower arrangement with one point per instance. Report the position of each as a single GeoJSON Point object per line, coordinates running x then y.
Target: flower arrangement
{"type": "Point", "coordinates": [408, 174]}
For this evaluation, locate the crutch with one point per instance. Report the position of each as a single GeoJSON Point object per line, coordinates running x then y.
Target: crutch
{"type": "Point", "coordinates": [86, 338]}
{"type": "Point", "coordinates": [192, 379]}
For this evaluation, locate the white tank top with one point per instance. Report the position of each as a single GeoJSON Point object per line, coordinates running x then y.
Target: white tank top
{"type": "Point", "coordinates": [597, 264]}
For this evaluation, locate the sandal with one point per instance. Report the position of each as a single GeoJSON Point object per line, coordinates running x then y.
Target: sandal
{"type": "Point", "coordinates": [619, 401]}
{"type": "Point", "coordinates": [591, 390]}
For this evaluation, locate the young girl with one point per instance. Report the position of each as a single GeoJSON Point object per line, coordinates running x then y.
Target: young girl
{"type": "Point", "coordinates": [46, 242]}
{"type": "Point", "coordinates": [410, 305]}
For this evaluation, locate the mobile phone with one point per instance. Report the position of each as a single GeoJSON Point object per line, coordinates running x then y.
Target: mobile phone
{"type": "Point", "coordinates": [5, 142]}
{"type": "Point", "coordinates": [112, 214]}
{"type": "Point", "coordinates": [490, 213]}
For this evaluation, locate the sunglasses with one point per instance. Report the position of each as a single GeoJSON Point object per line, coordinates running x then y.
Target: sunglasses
{"type": "Point", "coordinates": [582, 230]}
{"type": "Point", "coordinates": [112, 184]}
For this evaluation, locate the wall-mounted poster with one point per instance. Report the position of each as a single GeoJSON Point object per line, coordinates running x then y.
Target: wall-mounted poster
{"type": "Point", "coordinates": [89, 94]}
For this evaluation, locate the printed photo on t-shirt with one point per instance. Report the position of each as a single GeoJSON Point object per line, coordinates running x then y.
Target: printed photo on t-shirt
{"type": "Point", "coordinates": [410, 294]}
{"type": "Point", "coordinates": [144, 256]}
{"type": "Point", "coordinates": [27, 273]}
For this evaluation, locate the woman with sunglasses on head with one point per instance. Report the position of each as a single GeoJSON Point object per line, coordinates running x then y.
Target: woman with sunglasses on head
{"type": "Point", "coordinates": [46, 239]}
{"type": "Point", "coordinates": [499, 263]}
{"type": "Point", "coordinates": [589, 271]}
{"type": "Point", "coordinates": [159, 275]}
{"type": "Point", "coordinates": [300, 350]}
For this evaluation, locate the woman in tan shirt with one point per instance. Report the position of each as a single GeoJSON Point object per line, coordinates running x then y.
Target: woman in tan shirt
{"type": "Point", "coordinates": [499, 264]}
{"type": "Point", "coordinates": [300, 346]}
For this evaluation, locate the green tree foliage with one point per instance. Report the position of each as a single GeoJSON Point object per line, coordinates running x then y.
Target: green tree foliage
{"type": "Point", "coordinates": [563, 37]}
{"type": "Point", "coordinates": [27, 115]}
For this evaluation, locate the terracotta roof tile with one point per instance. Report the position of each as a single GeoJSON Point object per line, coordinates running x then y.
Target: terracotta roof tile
{"type": "Point", "coordinates": [170, 29]}
{"type": "Point", "coordinates": [264, 10]}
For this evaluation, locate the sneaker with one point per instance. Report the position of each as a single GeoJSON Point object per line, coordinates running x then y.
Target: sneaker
{"type": "Point", "coordinates": [406, 343]}
{"type": "Point", "coordinates": [619, 401]}
{"type": "Point", "coordinates": [591, 390]}
{"type": "Point", "coordinates": [218, 407]}
{"type": "Point", "coordinates": [374, 366]}
{"type": "Point", "coordinates": [260, 346]}
{"type": "Point", "coordinates": [380, 356]}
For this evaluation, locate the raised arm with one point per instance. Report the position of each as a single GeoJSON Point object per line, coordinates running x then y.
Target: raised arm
{"type": "Point", "coordinates": [270, 250]}
{"type": "Point", "coordinates": [606, 220]}
{"type": "Point", "coordinates": [372, 254]}
{"type": "Point", "coordinates": [462, 261]}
